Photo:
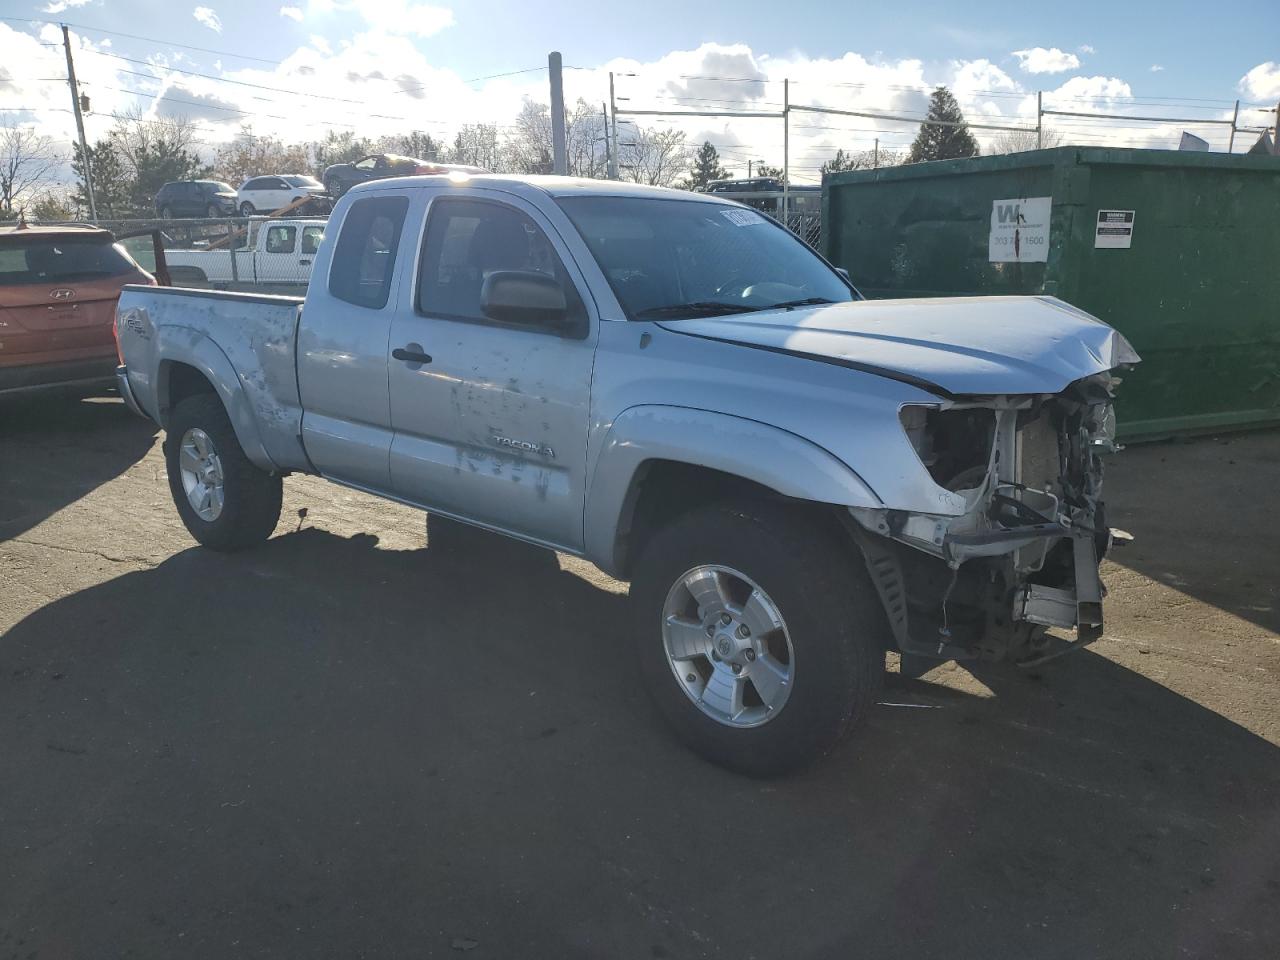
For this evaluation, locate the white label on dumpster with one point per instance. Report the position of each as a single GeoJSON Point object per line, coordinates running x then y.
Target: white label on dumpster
{"type": "Point", "coordinates": [1115, 230]}
{"type": "Point", "coordinates": [1020, 230]}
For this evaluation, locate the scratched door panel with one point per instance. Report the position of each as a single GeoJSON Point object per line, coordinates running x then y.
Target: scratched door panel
{"type": "Point", "coordinates": [494, 426]}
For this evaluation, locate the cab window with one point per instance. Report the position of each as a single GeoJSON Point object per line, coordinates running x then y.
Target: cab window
{"type": "Point", "coordinates": [468, 239]}
{"type": "Point", "coordinates": [281, 239]}
{"type": "Point", "coordinates": [365, 257]}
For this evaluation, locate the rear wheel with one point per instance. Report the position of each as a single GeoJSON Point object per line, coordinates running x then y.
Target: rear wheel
{"type": "Point", "coordinates": [247, 209]}
{"type": "Point", "coordinates": [761, 638]}
{"type": "Point", "coordinates": [225, 501]}
{"type": "Point", "coordinates": [213, 211]}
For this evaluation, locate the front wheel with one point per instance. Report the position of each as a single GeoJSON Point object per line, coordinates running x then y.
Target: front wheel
{"type": "Point", "coordinates": [760, 634]}
{"type": "Point", "coordinates": [166, 213]}
{"type": "Point", "coordinates": [213, 211]}
{"type": "Point", "coordinates": [225, 502]}
{"type": "Point", "coordinates": [247, 209]}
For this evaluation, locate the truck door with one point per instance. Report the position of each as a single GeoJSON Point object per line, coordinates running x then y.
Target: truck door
{"type": "Point", "coordinates": [343, 345]}
{"type": "Point", "coordinates": [491, 417]}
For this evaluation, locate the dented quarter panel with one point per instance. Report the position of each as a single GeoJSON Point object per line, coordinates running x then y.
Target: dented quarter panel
{"type": "Point", "coordinates": [241, 343]}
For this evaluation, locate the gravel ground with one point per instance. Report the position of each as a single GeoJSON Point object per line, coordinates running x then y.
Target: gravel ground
{"type": "Point", "coordinates": [349, 744]}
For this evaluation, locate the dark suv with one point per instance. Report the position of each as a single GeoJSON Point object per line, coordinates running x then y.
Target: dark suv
{"type": "Point", "coordinates": [196, 198]}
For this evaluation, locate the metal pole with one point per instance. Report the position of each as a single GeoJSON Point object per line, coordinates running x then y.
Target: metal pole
{"type": "Point", "coordinates": [1039, 120]}
{"type": "Point", "coordinates": [1275, 141]}
{"type": "Point", "coordinates": [84, 146]}
{"type": "Point", "coordinates": [231, 245]}
{"type": "Point", "coordinates": [1231, 144]}
{"type": "Point", "coordinates": [786, 149]}
{"type": "Point", "coordinates": [613, 124]}
{"type": "Point", "coordinates": [608, 154]}
{"type": "Point", "coordinates": [559, 155]}
{"type": "Point", "coordinates": [748, 169]}
{"type": "Point", "coordinates": [875, 156]}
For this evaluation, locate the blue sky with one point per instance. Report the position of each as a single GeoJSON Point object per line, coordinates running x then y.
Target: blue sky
{"type": "Point", "coordinates": [418, 63]}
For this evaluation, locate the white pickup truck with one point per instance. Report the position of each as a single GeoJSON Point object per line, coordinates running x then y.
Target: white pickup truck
{"type": "Point", "coordinates": [271, 253]}
{"type": "Point", "coordinates": [794, 479]}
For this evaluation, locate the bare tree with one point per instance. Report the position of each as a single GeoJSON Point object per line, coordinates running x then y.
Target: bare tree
{"type": "Point", "coordinates": [528, 147]}
{"type": "Point", "coordinates": [476, 144]}
{"type": "Point", "coordinates": [656, 157]}
{"type": "Point", "coordinates": [1020, 141]}
{"type": "Point", "coordinates": [249, 155]}
{"type": "Point", "coordinates": [28, 164]}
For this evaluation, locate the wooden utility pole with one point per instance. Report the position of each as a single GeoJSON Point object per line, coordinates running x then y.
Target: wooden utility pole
{"type": "Point", "coordinates": [559, 155]}
{"type": "Point", "coordinates": [86, 167]}
{"type": "Point", "coordinates": [1039, 119]}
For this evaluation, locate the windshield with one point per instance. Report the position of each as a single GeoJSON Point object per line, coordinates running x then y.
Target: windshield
{"type": "Point", "coordinates": [302, 181]}
{"type": "Point", "coordinates": [61, 260]}
{"type": "Point", "coordinates": [676, 259]}
{"type": "Point", "coordinates": [218, 185]}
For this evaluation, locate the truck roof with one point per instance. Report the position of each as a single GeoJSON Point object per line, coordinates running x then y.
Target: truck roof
{"type": "Point", "coordinates": [550, 185]}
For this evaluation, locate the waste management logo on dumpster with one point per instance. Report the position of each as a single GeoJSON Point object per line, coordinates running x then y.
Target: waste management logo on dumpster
{"type": "Point", "coordinates": [1020, 230]}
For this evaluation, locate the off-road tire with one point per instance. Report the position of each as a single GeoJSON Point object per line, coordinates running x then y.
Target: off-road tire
{"type": "Point", "coordinates": [836, 623]}
{"type": "Point", "coordinates": [251, 506]}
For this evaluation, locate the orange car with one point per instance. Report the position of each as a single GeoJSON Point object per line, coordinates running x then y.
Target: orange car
{"type": "Point", "coordinates": [58, 292]}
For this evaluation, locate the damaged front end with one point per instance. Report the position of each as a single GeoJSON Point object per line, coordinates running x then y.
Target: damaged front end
{"type": "Point", "coordinates": [1018, 549]}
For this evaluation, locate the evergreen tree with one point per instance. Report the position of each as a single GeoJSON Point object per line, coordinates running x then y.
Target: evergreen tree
{"type": "Point", "coordinates": [937, 142]}
{"type": "Point", "coordinates": [706, 168]}
{"type": "Point", "coordinates": [111, 181]}
{"type": "Point", "coordinates": [764, 170]}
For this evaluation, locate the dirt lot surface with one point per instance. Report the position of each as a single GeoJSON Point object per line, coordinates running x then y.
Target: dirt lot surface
{"type": "Point", "coordinates": [350, 743]}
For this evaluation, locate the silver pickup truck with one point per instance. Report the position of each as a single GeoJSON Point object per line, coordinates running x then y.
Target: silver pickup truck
{"type": "Point", "coordinates": [793, 479]}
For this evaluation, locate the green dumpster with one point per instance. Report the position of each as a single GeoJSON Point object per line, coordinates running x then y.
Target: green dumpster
{"type": "Point", "coordinates": [1178, 251]}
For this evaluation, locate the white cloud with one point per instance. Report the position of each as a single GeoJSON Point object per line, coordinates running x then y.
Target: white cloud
{"type": "Point", "coordinates": [209, 17]}
{"type": "Point", "coordinates": [1042, 60]}
{"type": "Point", "coordinates": [57, 6]}
{"type": "Point", "coordinates": [321, 44]}
{"type": "Point", "coordinates": [1262, 82]}
{"type": "Point", "coordinates": [1155, 68]}
{"type": "Point", "coordinates": [1085, 48]}
{"type": "Point", "coordinates": [293, 13]}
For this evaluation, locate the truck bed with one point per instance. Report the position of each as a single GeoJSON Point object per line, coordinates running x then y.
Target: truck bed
{"type": "Point", "coordinates": [242, 343]}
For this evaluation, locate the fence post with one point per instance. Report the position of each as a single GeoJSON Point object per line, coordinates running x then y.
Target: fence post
{"type": "Point", "coordinates": [231, 246]}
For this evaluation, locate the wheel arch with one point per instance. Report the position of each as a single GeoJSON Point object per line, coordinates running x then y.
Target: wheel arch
{"type": "Point", "coordinates": [657, 462]}
{"type": "Point", "coordinates": [201, 367]}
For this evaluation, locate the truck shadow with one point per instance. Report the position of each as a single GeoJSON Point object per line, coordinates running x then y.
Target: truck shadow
{"type": "Point", "coordinates": [322, 745]}
{"type": "Point", "coordinates": [56, 447]}
{"type": "Point", "coordinates": [1202, 515]}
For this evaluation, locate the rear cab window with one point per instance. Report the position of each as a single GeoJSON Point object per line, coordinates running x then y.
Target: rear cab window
{"type": "Point", "coordinates": [364, 258]}
{"type": "Point", "coordinates": [61, 259]}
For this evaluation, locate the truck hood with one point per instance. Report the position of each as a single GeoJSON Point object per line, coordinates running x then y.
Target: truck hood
{"type": "Point", "coordinates": [950, 345]}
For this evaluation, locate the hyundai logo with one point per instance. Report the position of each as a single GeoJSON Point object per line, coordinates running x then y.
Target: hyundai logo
{"type": "Point", "coordinates": [62, 293]}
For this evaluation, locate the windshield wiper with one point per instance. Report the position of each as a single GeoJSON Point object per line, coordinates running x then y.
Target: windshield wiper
{"type": "Point", "coordinates": [805, 302]}
{"type": "Point", "coordinates": [695, 308]}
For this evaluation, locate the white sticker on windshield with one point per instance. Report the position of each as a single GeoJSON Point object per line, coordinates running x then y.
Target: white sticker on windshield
{"type": "Point", "coordinates": [742, 218]}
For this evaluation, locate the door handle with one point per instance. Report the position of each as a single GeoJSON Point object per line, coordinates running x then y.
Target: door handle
{"type": "Point", "coordinates": [411, 354]}
{"type": "Point", "coordinates": [305, 263]}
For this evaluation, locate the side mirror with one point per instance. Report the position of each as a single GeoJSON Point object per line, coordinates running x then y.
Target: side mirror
{"type": "Point", "coordinates": [844, 273]}
{"type": "Point", "coordinates": [526, 298]}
